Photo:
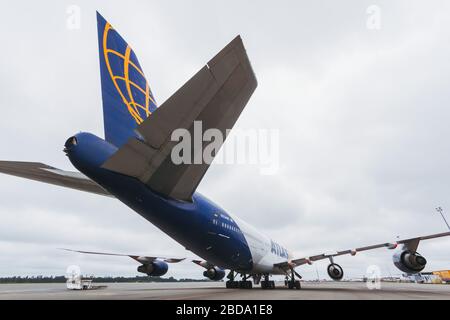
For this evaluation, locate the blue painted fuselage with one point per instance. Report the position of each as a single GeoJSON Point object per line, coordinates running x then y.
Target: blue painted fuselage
{"type": "Point", "coordinates": [201, 226]}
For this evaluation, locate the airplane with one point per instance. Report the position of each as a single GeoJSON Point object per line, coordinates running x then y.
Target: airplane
{"type": "Point", "coordinates": [133, 164]}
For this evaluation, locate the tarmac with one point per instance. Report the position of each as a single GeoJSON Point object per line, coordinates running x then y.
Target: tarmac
{"type": "Point", "coordinates": [217, 291]}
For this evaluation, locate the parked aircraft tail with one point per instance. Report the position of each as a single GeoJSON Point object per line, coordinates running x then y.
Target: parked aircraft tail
{"type": "Point", "coordinates": [126, 94]}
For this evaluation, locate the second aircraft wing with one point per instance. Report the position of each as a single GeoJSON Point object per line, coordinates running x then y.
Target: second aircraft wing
{"type": "Point", "coordinates": [141, 259]}
{"type": "Point", "coordinates": [410, 244]}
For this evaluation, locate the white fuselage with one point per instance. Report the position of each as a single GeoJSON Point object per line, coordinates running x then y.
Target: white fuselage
{"type": "Point", "coordinates": [265, 252]}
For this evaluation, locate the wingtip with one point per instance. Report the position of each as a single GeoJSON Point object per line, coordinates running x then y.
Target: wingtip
{"type": "Point", "coordinates": [237, 39]}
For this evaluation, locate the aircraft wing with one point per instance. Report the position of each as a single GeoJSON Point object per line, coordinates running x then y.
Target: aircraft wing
{"type": "Point", "coordinates": [140, 259]}
{"type": "Point", "coordinates": [410, 244]}
{"type": "Point", "coordinates": [216, 96]}
{"type": "Point", "coordinates": [44, 173]}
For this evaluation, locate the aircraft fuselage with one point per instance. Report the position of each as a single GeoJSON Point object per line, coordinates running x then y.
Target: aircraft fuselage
{"type": "Point", "coordinates": [200, 226]}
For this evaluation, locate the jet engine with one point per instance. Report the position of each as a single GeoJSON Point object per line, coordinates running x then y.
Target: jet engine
{"type": "Point", "coordinates": [214, 273]}
{"type": "Point", "coordinates": [335, 271]}
{"type": "Point", "coordinates": [409, 262]}
{"type": "Point", "coordinates": [156, 268]}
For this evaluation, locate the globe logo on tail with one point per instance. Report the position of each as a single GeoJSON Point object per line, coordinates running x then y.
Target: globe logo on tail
{"type": "Point", "coordinates": [130, 81]}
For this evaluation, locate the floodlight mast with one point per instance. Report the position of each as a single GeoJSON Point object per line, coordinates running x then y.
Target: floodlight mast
{"type": "Point", "coordinates": [440, 210]}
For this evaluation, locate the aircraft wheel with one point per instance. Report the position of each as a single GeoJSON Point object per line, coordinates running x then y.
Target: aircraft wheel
{"type": "Point", "coordinates": [266, 284]}
{"type": "Point", "coordinates": [245, 284]}
{"type": "Point", "coordinates": [232, 284]}
{"type": "Point", "coordinates": [294, 285]}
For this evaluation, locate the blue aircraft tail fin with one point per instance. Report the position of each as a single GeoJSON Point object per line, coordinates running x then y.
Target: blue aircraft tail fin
{"type": "Point", "coordinates": [126, 94]}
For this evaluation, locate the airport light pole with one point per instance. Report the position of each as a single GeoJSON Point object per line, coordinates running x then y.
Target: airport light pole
{"type": "Point", "coordinates": [439, 209]}
{"type": "Point", "coordinates": [317, 272]}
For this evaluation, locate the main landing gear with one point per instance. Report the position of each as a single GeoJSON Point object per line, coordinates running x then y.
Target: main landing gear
{"type": "Point", "coordinates": [243, 284]}
{"type": "Point", "coordinates": [231, 284]}
{"type": "Point", "coordinates": [292, 283]}
{"type": "Point", "coordinates": [266, 284]}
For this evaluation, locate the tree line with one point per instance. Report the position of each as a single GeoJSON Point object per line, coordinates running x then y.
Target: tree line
{"type": "Point", "coordinates": [105, 279]}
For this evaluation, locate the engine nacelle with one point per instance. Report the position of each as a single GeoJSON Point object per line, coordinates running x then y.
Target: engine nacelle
{"type": "Point", "coordinates": [156, 268]}
{"type": "Point", "coordinates": [214, 273]}
{"type": "Point", "coordinates": [409, 262]}
{"type": "Point", "coordinates": [335, 271]}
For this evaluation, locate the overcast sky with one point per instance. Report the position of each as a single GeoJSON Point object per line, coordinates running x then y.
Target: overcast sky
{"type": "Point", "coordinates": [363, 117]}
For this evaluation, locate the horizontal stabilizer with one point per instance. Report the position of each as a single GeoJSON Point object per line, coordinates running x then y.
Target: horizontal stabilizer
{"type": "Point", "coordinates": [216, 96]}
{"type": "Point", "coordinates": [44, 173]}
